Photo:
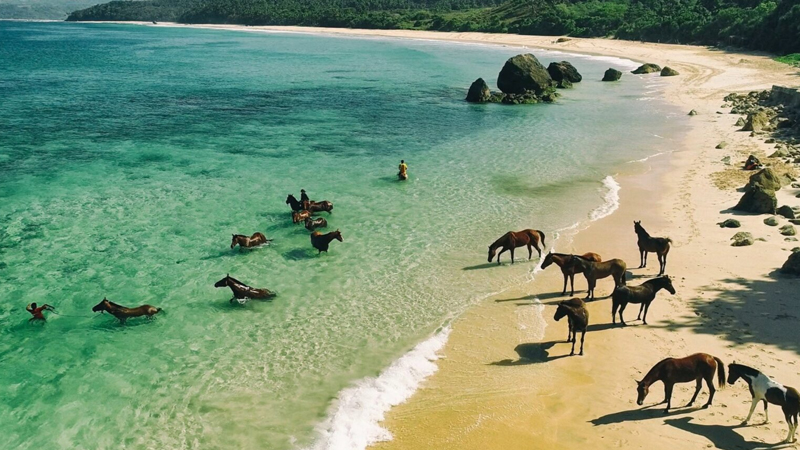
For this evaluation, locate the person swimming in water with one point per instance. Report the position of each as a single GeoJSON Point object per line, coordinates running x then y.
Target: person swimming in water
{"type": "Point", "coordinates": [36, 311]}
{"type": "Point", "coordinates": [403, 175]}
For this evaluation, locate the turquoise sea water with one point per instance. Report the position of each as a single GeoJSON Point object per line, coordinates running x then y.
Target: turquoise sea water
{"type": "Point", "coordinates": [129, 155]}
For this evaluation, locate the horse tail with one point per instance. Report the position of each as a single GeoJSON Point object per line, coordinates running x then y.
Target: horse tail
{"type": "Point", "coordinates": [720, 372]}
{"type": "Point", "coordinates": [541, 233]}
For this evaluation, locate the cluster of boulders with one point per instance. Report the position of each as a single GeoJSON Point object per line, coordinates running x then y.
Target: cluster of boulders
{"type": "Point", "coordinates": [522, 80]}
{"type": "Point", "coordinates": [775, 111]}
{"type": "Point", "coordinates": [614, 74]}
{"type": "Point", "coordinates": [759, 196]}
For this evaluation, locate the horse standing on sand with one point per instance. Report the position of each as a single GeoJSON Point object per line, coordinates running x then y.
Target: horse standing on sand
{"type": "Point", "coordinates": [697, 367]}
{"type": "Point", "coordinates": [568, 270]}
{"type": "Point", "coordinates": [242, 291]}
{"type": "Point", "coordinates": [514, 239]}
{"type": "Point", "coordinates": [248, 242]}
{"type": "Point", "coordinates": [313, 224]}
{"type": "Point", "coordinates": [300, 216]}
{"type": "Point", "coordinates": [322, 241]}
{"type": "Point", "coordinates": [594, 271]}
{"type": "Point", "coordinates": [765, 389]}
{"type": "Point", "coordinates": [318, 206]}
{"type": "Point", "coordinates": [577, 319]}
{"type": "Point", "coordinates": [123, 313]}
{"type": "Point", "coordinates": [647, 244]}
{"type": "Point", "coordinates": [294, 203]}
{"type": "Point", "coordinates": [645, 293]}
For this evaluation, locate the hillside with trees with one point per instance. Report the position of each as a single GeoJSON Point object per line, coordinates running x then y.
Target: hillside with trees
{"type": "Point", "coordinates": [752, 24]}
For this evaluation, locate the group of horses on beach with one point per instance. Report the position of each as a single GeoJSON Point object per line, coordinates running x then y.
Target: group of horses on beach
{"type": "Point", "coordinates": [696, 368]}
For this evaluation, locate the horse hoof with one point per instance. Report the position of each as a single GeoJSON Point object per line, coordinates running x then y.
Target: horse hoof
{"type": "Point", "coordinates": [706, 406]}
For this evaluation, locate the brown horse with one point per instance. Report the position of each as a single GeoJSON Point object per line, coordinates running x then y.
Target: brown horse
{"type": "Point", "coordinates": [318, 206]}
{"type": "Point", "coordinates": [645, 293]}
{"type": "Point", "coordinates": [647, 244]}
{"type": "Point", "coordinates": [514, 239]}
{"type": "Point", "coordinates": [313, 224]}
{"type": "Point", "coordinates": [242, 291]}
{"type": "Point", "coordinates": [594, 271]}
{"type": "Point", "coordinates": [577, 319]}
{"type": "Point", "coordinates": [247, 242]}
{"type": "Point", "coordinates": [569, 271]}
{"type": "Point", "coordinates": [300, 216]}
{"type": "Point", "coordinates": [322, 241]}
{"type": "Point", "coordinates": [123, 313]}
{"type": "Point", "coordinates": [697, 367]}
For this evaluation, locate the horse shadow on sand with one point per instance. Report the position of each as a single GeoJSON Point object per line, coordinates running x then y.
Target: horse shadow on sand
{"type": "Point", "coordinates": [655, 411]}
{"type": "Point", "coordinates": [722, 436]}
{"type": "Point", "coordinates": [533, 353]}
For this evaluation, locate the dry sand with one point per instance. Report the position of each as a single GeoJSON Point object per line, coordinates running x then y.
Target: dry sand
{"type": "Point", "coordinates": [502, 386]}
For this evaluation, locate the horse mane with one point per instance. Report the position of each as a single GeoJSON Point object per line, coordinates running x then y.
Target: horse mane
{"type": "Point", "coordinates": [741, 368]}
{"type": "Point", "coordinates": [497, 243]}
{"type": "Point", "coordinates": [114, 304]}
{"type": "Point", "coordinates": [640, 229]}
{"type": "Point", "coordinates": [236, 281]}
{"type": "Point", "coordinates": [654, 370]}
{"type": "Point", "coordinates": [239, 235]}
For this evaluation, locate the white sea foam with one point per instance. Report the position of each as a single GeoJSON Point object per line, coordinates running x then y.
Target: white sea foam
{"type": "Point", "coordinates": [354, 419]}
{"type": "Point", "coordinates": [646, 157]}
{"type": "Point", "coordinates": [611, 199]}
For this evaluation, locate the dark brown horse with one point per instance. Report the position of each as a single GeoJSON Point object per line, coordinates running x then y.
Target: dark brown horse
{"type": "Point", "coordinates": [300, 216]}
{"type": "Point", "coordinates": [697, 367]}
{"type": "Point", "coordinates": [647, 244]}
{"type": "Point", "coordinates": [123, 313]}
{"type": "Point", "coordinates": [645, 293]}
{"type": "Point", "coordinates": [568, 270]}
{"type": "Point", "coordinates": [294, 203]}
{"type": "Point", "coordinates": [322, 241]}
{"type": "Point", "coordinates": [248, 242]}
{"type": "Point", "coordinates": [765, 389]}
{"type": "Point", "coordinates": [514, 239]}
{"type": "Point", "coordinates": [318, 206]}
{"type": "Point", "coordinates": [577, 319]}
{"type": "Point", "coordinates": [242, 291]}
{"type": "Point", "coordinates": [594, 271]}
{"type": "Point", "coordinates": [313, 224]}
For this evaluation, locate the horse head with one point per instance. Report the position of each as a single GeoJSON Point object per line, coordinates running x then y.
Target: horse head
{"type": "Point", "coordinates": [642, 389]}
{"type": "Point", "coordinates": [290, 198]}
{"type": "Point", "coordinates": [733, 373]}
{"type": "Point", "coordinates": [223, 282]}
{"type": "Point", "coordinates": [561, 311]}
{"type": "Point", "coordinates": [492, 251]}
{"type": "Point", "coordinates": [548, 259]}
{"type": "Point", "coordinates": [102, 306]}
{"type": "Point", "coordinates": [234, 240]}
{"type": "Point", "coordinates": [338, 235]}
{"type": "Point", "coordinates": [637, 227]}
{"type": "Point", "coordinates": [668, 284]}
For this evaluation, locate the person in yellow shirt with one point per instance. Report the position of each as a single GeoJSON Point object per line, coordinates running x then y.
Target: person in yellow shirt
{"type": "Point", "coordinates": [403, 170]}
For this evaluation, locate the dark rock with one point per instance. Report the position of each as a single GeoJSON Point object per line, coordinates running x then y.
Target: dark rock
{"type": "Point", "coordinates": [669, 72]}
{"type": "Point", "coordinates": [564, 84]}
{"type": "Point", "coordinates": [769, 141]}
{"type": "Point", "coordinates": [786, 211]}
{"type": "Point", "coordinates": [792, 265]}
{"type": "Point", "coordinates": [740, 122]}
{"type": "Point", "coordinates": [766, 178]}
{"type": "Point", "coordinates": [771, 221]}
{"type": "Point", "coordinates": [479, 92]}
{"type": "Point", "coordinates": [756, 122]}
{"type": "Point", "coordinates": [523, 74]}
{"type": "Point", "coordinates": [692, 113]}
{"type": "Point", "coordinates": [647, 68]}
{"type": "Point", "coordinates": [742, 238]}
{"type": "Point", "coordinates": [562, 39]}
{"type": "Point", "coordinates": [564, 71]}
{"type": "Point", "coordinates": [730, 223]}
{"type": "Point", "coordinates": [612, 75]}
{"type": "Point", "coordinates": [757, 200]}
{"type": "Point", "coordinates": [788, 230]}
{"type": "Point", "coordinates": [721, 145]}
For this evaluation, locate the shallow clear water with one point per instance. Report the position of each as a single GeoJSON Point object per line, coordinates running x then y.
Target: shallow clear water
{"type": "Point", "coordinates": [129, 155]}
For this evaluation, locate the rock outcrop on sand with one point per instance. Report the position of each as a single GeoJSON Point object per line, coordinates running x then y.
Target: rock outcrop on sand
{"type": "Point", "coordinates": [767, 178]}
{"type": "Point", "coordinates": [669, 72]}
{"type": "Point", "coordinates": [479, 92]}
{"type": "Point", "coordinates": [757, 121]}
{"type": "Point", "coordinates": [771, 221]}
{"type": "Point", "coordinates": [564, 71]}
{"type": "Point", "coordinates": [612, 75]}
{"type": "Point", "coordinates": [792, 265]}
{"type": "Point", "coordinates": [786, 211]}
{"type": "Point", "coordinates": [788, 230]}
{"type": "Point", "coordinates": [522, 80]}
{"type": "Point", "coordinates": [742, 238]}
{"type": "Point", "coordinates": [647, 68]}
{"type": "Point", "coordinates": [758, 200]}
{"type": "Point", "coordinates": [693, 112]}
{"type": "Point", "coordinates": [729, 223]}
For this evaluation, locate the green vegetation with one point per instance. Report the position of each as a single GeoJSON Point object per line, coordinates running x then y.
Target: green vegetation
{"type": "Point", "coordinates": [792, 59]}
{"type": "Point", "coordinates": [772, 25]}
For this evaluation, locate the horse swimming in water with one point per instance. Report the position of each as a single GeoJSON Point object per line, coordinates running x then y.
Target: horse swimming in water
{"type": "Point", "coordinates": [322, 241]}
{"type": "Point", "coordinates": [644, 294]}
{"type": "Point", "coordinates": [294, 203]}
{"type": "Point", "coordinates": [248, 242]}
{"type": "Point", "coordinates": [765, 389]}
{"type": "Point", "coordinates": [514, 239]}
{"type": "Point", "coordinates": [647, 244]}
{"type": "Point", "coordinates": [300, 216]}
{"type": "Point", "coordinates": [313, 224]}
{"type": "Point", "coordinates": [242, 291]}
{"type": "Point", "coordinates": [567, 269]}
{"type": "Point", "coordinates": [594, 271]}
{"type": "Point", "coordinates": [123, 313]}
{"type": "Point", "coordinates": [697, 367]}
{"type": "Point", "coordinates": [577, 319]}
{"type": "Point", "coordinates": [318, 206]}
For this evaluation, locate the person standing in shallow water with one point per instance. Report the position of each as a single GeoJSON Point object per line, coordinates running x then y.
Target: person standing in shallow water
{"type": "Point", "coordinates": [304, 196]}
{"type": "Point", "coordinates": [37, 311]}
{"type": "Point", "coordinates": [403, 170]}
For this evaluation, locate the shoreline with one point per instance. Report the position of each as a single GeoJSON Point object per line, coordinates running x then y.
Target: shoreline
{"type": "Point", "coordinates": [498, 386]}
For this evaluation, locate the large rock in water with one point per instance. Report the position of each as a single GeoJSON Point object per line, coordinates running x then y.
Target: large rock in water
{"type": "Point", "coordinates": [612, 75]}
{"type": "Point", "coordinates": [564, 71]}
{"type": "Point", "coordinates": [792, 265]}
{"type": "Point", "coordinates": [522, 74]}
{"type": "Point", "coordinates": [757, 200]}
{"type": "Point", "coordinates": [479, 92]}
{"type": "Point", "coordinates": [766, 178]}
{"type": "Point", "coordinates": [647, 68]}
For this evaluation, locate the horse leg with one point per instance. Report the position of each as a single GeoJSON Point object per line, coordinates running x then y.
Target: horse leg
{"type": "Point", "coordinates": [641, 308]}
{"type": "Point", "coordinates": [696, 391]}
{"type": "Point", "coordinates": [766, 413]}
{"type": "Point", "coordinates": [536, 246]}
{"type": "Point", "coordinates": [530, 252]}
{"type": "Point", "coordinates": [574, 338]}
{"type": "Point", "coordinates": [642, 254]}
{"type": "Point", "coordinates": [583, 335]}
{"type": "Point", "coordinates": [646, 308]}
{"type": "Point", "coordinates": [572, 285]}
{"type": "Point", "coordinates": [564, 291]}
{"type": "Point", "coordinates": [512, 255]}
{"type": "Point", "coordinates": [711, 389]}
{"type": "Point", "coordinates": [590, 292]}
{"type": "Point", "coordinates": [621, 310]}
{"type": "Point", "coordinates": [789, 424]}
{"type": "Point", "coordinates": [498, 255]}
{"type": "Point", "coordinates": [752, 408]}
{"type": "Point", "coordinates": [661, 264]}
{"type": "Point", "coordinates": [614, 307]}
{"type": "Point", "coordinates": [668, 395]}
{"type": "Point", "coordinates": [569, 329]}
